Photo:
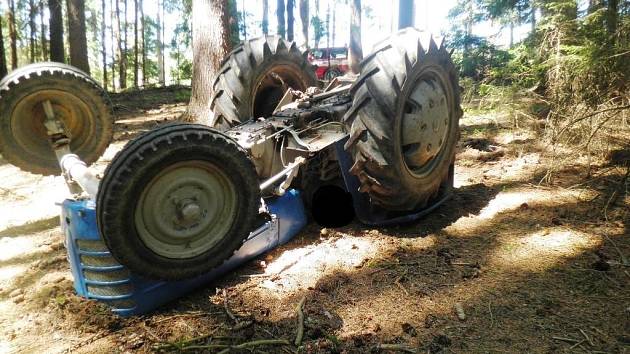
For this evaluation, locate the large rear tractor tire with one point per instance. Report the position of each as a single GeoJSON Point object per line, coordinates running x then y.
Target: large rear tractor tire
{"type": "Point", "coordinates": [177, 201]}
{"type": "Point", "coordinates": [404, 121]}
{"type": "Point", "coordinates": [254, 77]}
{"type": "Point", "coordinates": [77, 100]}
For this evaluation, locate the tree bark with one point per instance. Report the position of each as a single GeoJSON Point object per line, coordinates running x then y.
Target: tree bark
{"type": "Point", "coordinates": [211, 42]}
{"type": "Point", "coordinates": [144, 51]}
{"type": "Point", "coordinates": [612, 17]}
{"type": "Point", "coordinates": [77, 35]}
{"type": "Point", "coordinates": [3, 60]}
{"type": "Point", "coordinates": [304, 18]}
{"type": "Point", "coordinates": [265, 17]}
{"type": "Point", "coordinates": [355, 52]}
{"type": "Point", "coordinates": [55, 26]}
{"type": "Point", "coordinates": [280, 16]}
{"type": "Point", "coordinates": [334, 27]}
{"type": "Point", "coordinates": [32, 29]}
{"type": "Point", "coordinates": [12, 35]}
{"type": "Point", "coordinates": [104, 45]}
{"type": "Point", "coordinates": [160, 58]}
{"type": "Point", "coordinates": [43, 31]}
{"type": "Point", "coordinates": [135, 44]}
{"type": "Point", "coordinates": [113, 33]}
{"type": "Point", "coordinates": [290, 19]}
{"type": "Point", "coordinates": [405, 14]}
{"type": "Point", "coordinates": [122, 57]}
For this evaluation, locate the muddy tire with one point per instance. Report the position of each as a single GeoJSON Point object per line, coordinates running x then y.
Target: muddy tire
{"type": "Point", "coordinates": [82, 105]}
{"type": "Point", "coordinates": [403, 124]}
{"type": "Point", "coordinates": [177, 202]}
{"type": "Point", "coordinates": [254, 77]}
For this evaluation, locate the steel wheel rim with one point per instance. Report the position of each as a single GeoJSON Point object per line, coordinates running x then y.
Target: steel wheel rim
{"type": "Point", "coordinates": [186, 209]}
{"type": "Point", "coordinates": [425, 124]}
{"type": "Point", "coordinates": [27, 121]}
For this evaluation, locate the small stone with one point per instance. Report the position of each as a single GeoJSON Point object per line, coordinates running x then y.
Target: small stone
{"type": "Point", "coordinates": [459, 310]}
{"type": "Point", "coordinates": [18, 299]}
{"type": "Point", "coordinates": [373, 232]}
{"type": "Point", "coordinates": [324, 232]}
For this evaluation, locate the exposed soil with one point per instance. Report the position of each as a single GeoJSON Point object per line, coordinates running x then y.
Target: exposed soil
{"type": "Point", "coordinates": [506, 265]}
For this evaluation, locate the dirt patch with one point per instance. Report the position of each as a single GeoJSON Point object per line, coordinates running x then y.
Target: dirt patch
{"type": "Point", "coordinates": [506, 265]}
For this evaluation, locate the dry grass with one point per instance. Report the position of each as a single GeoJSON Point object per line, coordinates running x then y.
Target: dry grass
{"type": "Point", "coordinates": [535, 268]}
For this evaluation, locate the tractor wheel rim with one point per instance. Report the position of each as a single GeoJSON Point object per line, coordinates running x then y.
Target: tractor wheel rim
{"type": "Point", "coordinates": [27, 121]}
{"type": "Point", "coordinates": [272, 85]}
{"type": "Point", "coordinates": [425, 125]}
{"type": "Point", "coordinates": [186, 209]}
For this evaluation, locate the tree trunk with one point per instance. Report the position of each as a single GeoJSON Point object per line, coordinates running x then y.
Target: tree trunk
{"type": "Point", "coordinates": [104, 45]}
{"type": "Point", "coordinates": [160, 58]}
{"type": "Point", "coordinates": [144, 51]}
{"type": "Point", "coordinates": [290, 19]}
{"type": "Point", "coordinates": [469, 25]}
{"type": "Point", "coordinates": [43, 31]}
{"type": "Point", "coordinates": [77, 35]}
{"type": "Point", "coordinates": [135, 44]}
{"type": "Point", "coordinates": [12, 35]}
{"type": "Point", "coordinates": [265, 17]}
{"type": "Point", "coordinates": [405, 14]}
{"type": "Point", "coordinates": [511, 34]}
{"type": "Point", "coordinates": [328, 30]}
{"type": "Point", "coordinates": [533, 9]}
{"type": "Point", "coordinates": [125, 36]}
{"type": "Point", "coordinates": [334, 27]}
{"type": "Point", "coordinates": [612, 17]}
{"type": "Point", "coordinates": [55, 26]}
{"type": "Point", "coordinates": [3, 60]}
{"type": "Point", "coordinates": [244, 17]}
{"type": "Point", "coordinates": [122, 57]}
{"type": "Point", "coordinates": [304, 18]}
{"type": "Point", "coordinates": [32, 30]}
{"type": "Point", "coordinates": [355, 51]}
{"type": "Point", "coordinates": [280, 16]}
{"type": "Point", "coordinates": [211, 42]}
{"type": "Point", "coordinates": [113, 35]}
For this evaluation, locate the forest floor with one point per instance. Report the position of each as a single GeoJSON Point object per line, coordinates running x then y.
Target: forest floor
{"type": "Point", "coordinates": [533, 267]}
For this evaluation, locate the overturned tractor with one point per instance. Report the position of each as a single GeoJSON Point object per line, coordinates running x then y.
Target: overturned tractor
{"type": "Point", "coordinates": [177, 202]}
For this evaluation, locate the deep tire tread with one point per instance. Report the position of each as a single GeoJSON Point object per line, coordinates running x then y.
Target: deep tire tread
{"type": "Point", "coordinates": [133, 164]}
{"type": "Point", "coordinates": [372, 118]}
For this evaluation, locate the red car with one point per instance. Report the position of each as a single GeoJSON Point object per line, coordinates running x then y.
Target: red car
{"type": "Point", "coordinates": [329, 62]}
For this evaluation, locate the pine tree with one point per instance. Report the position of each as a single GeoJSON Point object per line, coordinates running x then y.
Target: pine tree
{"type": "Point", "coordinates": [355, 51]}
{"type": "Point", "coordinates": [211, 42]}
{"type": "Point", "coordinates": [290, 19]}
{"type": "Point", "coordinates": [304, 18]}
{"type": "Point", "coordinates": [12, 35]}
{"type": "Point", "coordinates": [104, 44]}
{"type": "Point", "coordinates": [56, 31]}
{"type": "Point", "coordinates": [3, 60]}
{"type": "Point", "coordinates": [77, 35]}
{"type": "Point", "coordinates": [265, 18]}
{"type": "Point", "coordinates": [280, 16]}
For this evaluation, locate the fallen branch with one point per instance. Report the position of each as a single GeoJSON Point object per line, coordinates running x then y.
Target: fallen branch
{"type": "Point", "coordinates": [397, 347]}
{"type": "Point", "coordinates": [300, 329]}
{"type": "Point", "coordinates": [255, 343]}
{"type": "Point", "coordinates": [227, 308]}
{"type": "Point", "coordinates": [568, 340]}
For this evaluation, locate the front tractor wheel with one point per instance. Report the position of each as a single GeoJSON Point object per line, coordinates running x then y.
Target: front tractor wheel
{"type": "Point", "coordinates": [404, 121]}
{"type": "Point", "coordinates": [255, 76]}
{"type": "Point", "coordinates": [177, 201]}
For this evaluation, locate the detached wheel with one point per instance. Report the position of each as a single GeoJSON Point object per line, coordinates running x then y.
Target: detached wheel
{"type": "Point", "coordinates": [255, 76]}
{"type": "Point", "coordinates": [77, 100]}
{"type": "Point", "coordinates": [177, 202]}
{"type": "Point", "coordinates": [404, 121]}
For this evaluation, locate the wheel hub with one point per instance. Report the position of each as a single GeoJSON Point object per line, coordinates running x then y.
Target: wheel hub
{"type": "Point", "coordinates": [425, 124]}
{"type": "Point", "coordinates": [186, 209]}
